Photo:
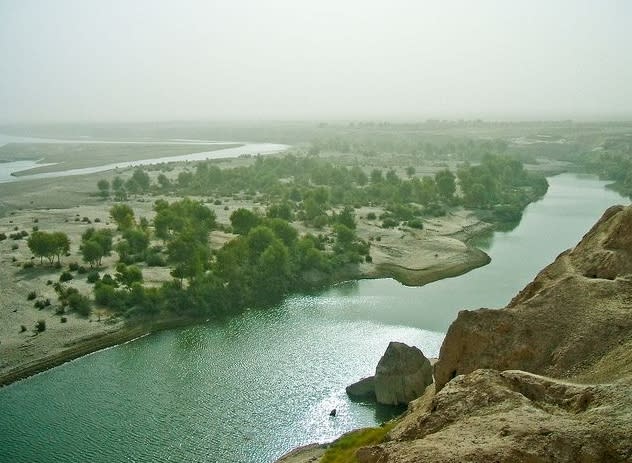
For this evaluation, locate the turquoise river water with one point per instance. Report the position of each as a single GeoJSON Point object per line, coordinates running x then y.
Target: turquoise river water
{"type": "Point", "coordinates": [250, 389]}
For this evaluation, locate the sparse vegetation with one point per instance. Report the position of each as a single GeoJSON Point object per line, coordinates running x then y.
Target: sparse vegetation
{"type": "Point", "coordinates": [343, 450]}
{"type": "Point", "coordinates": [40, 326]}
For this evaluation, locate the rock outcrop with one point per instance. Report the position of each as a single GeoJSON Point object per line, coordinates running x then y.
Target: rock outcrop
{"type": "Point", "coordinates": [512, 416]}
{"type": "Point", "coordinates": [491, 402]}
{"type": "Point", "coordinates": [576, 312]}
{"type": "Point", "coordinates": [401, 375]}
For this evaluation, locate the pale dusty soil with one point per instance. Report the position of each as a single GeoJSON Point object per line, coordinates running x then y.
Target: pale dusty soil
{"type": "Point", "coordinates": [416, 257]}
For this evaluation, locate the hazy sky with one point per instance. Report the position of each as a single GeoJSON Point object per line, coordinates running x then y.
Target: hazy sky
{"type": "Point", "coordinates": [113, 60]}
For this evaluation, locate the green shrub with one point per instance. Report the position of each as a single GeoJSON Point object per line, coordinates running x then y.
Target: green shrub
{"type": "Point", "coordinates": [416, 223]}
{"type": "Point", "coordinates": [73, 266]}
{"type": "Point", "coordinates": [27, 265]}
{"type": "Point", "coordinates": [371, 216]}
{"type": "Point", "coordinates": [80, 304]}
{"type": "Point", "coordinates": [40, 326]}
{"type": "Point", "coordinates": [93, 277]}
{"type": "Point", "coordinates": [389, 223]}
{"type": "Point", "coordinates": [65, 276]}
{"type": "Point", "coordinates": [32, 295]}
{"type": "Point", "coordinates": [155, 260]}
{"type": "Point", "coordinates": [343, 450]}
{"type": "Point", "coordinates": [434, 210]}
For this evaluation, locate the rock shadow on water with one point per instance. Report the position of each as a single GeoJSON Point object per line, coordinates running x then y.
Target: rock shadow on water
{"type": "Point", "coordinates": [382, 413]}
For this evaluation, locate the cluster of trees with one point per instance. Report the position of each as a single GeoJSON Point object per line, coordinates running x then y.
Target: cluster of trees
{"type": "Point", "coordinates": [139, 182]}
{"type": "Point", "coordinates": [257, 268]}
{"type": "Point", "coordinates": [392, 139]}
{"type": "Point", "coordinates": [500, 183]}
{"type": "Point", "coordinates": [134, 245]}
{"type": "Point", "coordinates": [613, 162]}
{"type": "Point", "coordinates": [310, 187]}
{"type": "Point", "coordinates": [49, 245]}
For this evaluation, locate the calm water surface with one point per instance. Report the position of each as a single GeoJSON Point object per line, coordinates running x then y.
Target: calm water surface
{"type": "Point", "coordinates": [250, 389]}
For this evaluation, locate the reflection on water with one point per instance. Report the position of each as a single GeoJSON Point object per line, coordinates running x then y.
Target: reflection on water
{"type": "Point", "coordinates": [483, 240]}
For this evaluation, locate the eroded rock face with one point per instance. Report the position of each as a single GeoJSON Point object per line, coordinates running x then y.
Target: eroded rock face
{"type": "Point", "coordinates": [512, 416]}
{"type": "Point", "coordinates": [402, 374]}
{"type": "Point", "coordinates": [576, 312]}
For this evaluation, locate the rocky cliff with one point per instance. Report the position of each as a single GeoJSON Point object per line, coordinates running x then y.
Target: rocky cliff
{"type": "Point", "coordinates": [573, 320]}
{"type": "Point", "coordinates": [546, 379]}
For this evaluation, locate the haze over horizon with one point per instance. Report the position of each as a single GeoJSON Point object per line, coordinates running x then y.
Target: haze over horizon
{"type": "Point", "coordinates": [72, 60]}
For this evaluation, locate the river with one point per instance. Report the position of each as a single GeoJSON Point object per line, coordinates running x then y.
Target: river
{"type": "Point", "coordinates": [252, 388]}
{"type": "Point", "coordinates": [11, 167]}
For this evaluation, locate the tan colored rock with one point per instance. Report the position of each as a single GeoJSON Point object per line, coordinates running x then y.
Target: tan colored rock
{"type": "Point", "coordinates": [575, 312]}
{"type": "Point", "coordinates": [402, 374]}
{"type": "Point", "coordinates": [513, 416]}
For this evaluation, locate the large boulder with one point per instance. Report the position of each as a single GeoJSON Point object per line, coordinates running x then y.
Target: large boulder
{"type": "Point", "coordinates": [402, 374]}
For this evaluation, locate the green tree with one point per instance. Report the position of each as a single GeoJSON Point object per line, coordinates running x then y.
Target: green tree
{"type": "Point", "coordinates": [163, 181]}
{"type": "Point", "coordinates": [138, 240]}
{"type": "Point", "coordinates": [104, 188]}
{"type": "Point", "coordinates": [141, 178]}
{"type": "Point", "coordinates": [96, 244]}
{"type": "Point", "coordinates": [281, 211]}
{"type": "Point", "coordinates": [118, 187]}
{"type": "Point", "coordinates": [128, 275]}
{"type": "Point", "coordinates": [49, 245]}
{"type": "Point", "coordinates": [92, 252]}
{"type": "Point", "coordinates": [446, 183]}
{"type": "Point", "coordinates": [189, 256]}
{"type": "Point", "coordinates": [346, 218]}
{"type": "Point", "coordinates": [40, 244]}
{"type": "Point", "coordinates": [345, 236]}
{"type": "Point", "coordinates": [283, 230]}
{"type": "Point", "coordinates": [186, 214]}
{"type": "Point", "coordinates": [243, 220]}
{"type": "Point", "coordinates": [61, 244]}
{"type": "Point", "coordinates": [117, 183]}
{"type": "Point", "coordinates": [123, 215]}
{"type": "Point", "coordinates": [376, 176]}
